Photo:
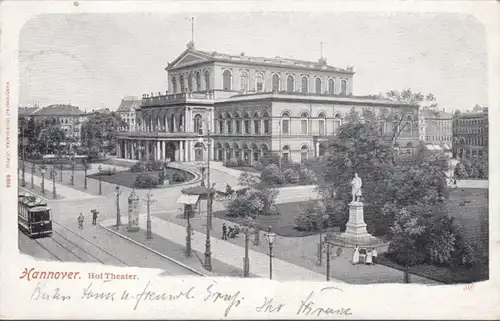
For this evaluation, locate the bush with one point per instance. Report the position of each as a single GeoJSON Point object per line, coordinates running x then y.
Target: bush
{"type": "Point", "coordinates": [254, 203]}
{"type": "Point", "coordinates": [272, 175]}
{"type": "Point", "coordinates": [178, 178]}
{"type": "Point", "coordinates": [307, 176]}
{"type": "Point", "coordinates": [311, 217]}
{"type": "Point", "coordinates": [108, 171]}
{"type": "Point", "coordinates": [138, 167]}
{"type": "Point", "coordinates": [291, 176]}
{"type": "Point", "coordinates": [145, 181]}
{"type": "Point", "coordinates": [233, 162]}
{"type": "Point", "coordinates": [258, 166]}
{"type": "Point", "coordinates": [247, 179]}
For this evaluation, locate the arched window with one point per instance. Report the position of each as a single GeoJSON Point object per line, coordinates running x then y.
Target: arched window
{"type": "Point", "coordinates": [343, 87]}
{"type": "Point", "coordinates": [276, 83]}
{"type": "Point", "coordinates": [244, 81]}
{"type": "Point", "coordinates": [246, 122]}
{"type": "Point", "coordinates": [305, 84]}
{"type": "Point", "coordinates": [408, 129]}
{"type": "Point", "coordinates": [229, 123]}
{"type": "Point", "coordinates": [226, 80]}
{"type": "Point", "coordinates": [331, 87]}
{"type": "Point", "coordinates": [207, 80]}
{"type": "Point", "coordinates": [221, 124]}
{"type": "Point", "coordinates": [197, 123]}
{"type": "Point", "coordinates": [304, 150]}
{"type": "Point", "coordinates": [237, 121]}
{"type": "Point", "coordinates": [174, 84]}
{"type": "Point", "coordinates": [396, 123]}
{"type": "Point", "coordinates": [190, 82]}
{"type": "Point", "coordinates": [337, 122]}
{"type": "Point", "coordinates": [321, 124]}
{"type": "Point", "coordinates": [318, 85]}
{"type": "Point", "coordinates": [286, 153]}
{"type": "Point", "coordinates": [290, 84]}
{"type": "Point", "coordinates": [256, 123]}
{"type": "Point", "coordinates": [198, 81]}
{"type": "Point", "coordinates": [259, 82]}
{"type": "Point", "coordinates": [285, 123]}
{"type": "Point", "coordinates": [304, 119]}
{"type": "Point", "coordinates": [183, 85]}
{"type": "Point", "coordinates": [265, 116]}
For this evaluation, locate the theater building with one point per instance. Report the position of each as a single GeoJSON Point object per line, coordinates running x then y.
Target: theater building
{"type": "Point", "coordinates": [253, 106]}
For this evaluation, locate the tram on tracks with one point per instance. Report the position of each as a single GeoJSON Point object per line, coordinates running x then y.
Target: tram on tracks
{"type": "Point", "coordinates": [34, 216]}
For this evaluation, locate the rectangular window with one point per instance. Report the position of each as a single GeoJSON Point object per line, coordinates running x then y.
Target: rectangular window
{"type": "Point", "coordinates": [256, 124]}
{"type": "Point", "coordinates": [285, 126]}
{"type": "Point", "coordinates": [238, 127]}
{"type": "Point", "coordinates": [303, 127]}
{"type": "Point", "coordinates": [266, 126]}
{"type": "Point", "coordinates": [247, 127]}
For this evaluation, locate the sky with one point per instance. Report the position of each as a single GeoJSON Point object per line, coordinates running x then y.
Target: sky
{"type": "Point", "coordinates": [93, 60]}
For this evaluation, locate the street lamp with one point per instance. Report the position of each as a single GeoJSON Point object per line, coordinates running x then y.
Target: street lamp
{"type": "Point", "coordinates": [54, 174]}
{"type": "Point", "coordinates": [117, 194]}
{"type": "Point", "coordinates": [188, 210]}
{"type": "Point", "coordinates": [270, 238]}
{"type": "Point", "coordinates": [42, 170]}
{"type": "Point", "coordinates": [247, 230]}
{"type": "Point", "coordinates": [99, 169]}
{"type": "Point", "coordinates": [149, 201]}
{"type": "Point", "coordinates": [61, 172]}
{"type": "Point", "coordinates": [279, 148]}
{"type": "Point", "coordinates": [322, 219]}
{"type": "Point", "coordinates": [85, 167]}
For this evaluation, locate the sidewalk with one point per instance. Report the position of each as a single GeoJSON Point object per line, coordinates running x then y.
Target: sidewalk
{"type": "Point", "coordinates": [229, 253]}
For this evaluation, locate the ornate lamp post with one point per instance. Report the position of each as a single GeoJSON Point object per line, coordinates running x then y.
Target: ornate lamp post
{"type": "Point", "coordinates": [23, 180]}
{"type": "Point", "coordinates": [188, 212]}
{"type": "Point", "coordinates": [149, 201]}
{"type": "Point", "coordinates": [247, 230]}
{"type": "Point", "coordinates": [61, 172]}
{"type": "Point", "coordinates": [117, 194]}
{"type": "Point", "coordinates": [42, 170]}
{"type": "Point", "coordinates": [270, 238]}
{"type": "Point", "coordinates": [54, 174]}
{"type": "Point", "coordinates": [99, 169]}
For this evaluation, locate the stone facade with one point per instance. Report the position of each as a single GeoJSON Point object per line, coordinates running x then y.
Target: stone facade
{"type": "Point", "coordinates": [253, 106]}
{"type": "Point", "coordinates": [470, 133]}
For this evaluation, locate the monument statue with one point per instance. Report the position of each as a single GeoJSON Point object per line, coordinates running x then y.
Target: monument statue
{"type": "Point", "coordinates": [356, 188]}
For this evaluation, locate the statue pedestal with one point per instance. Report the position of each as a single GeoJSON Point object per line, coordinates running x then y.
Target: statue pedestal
{"type": "Point", "coordinates": [355, 233]}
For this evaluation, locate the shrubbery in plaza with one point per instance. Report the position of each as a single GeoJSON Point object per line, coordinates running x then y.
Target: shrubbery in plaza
{"type": "Point", "coordinates": [254, 203]}
{"type": "Point", "coordinates": [178, 178]}
{"type": "Point", "coordinates": [248, 179]}
{"type": "Point", "coordinates": [311, 217]}
{"type": "Point", "coordinates": [291, 173]}
{"type": "Point", "coordinates": [472, 169]}
{"type": "Point", "coordinates": [145, 181]}
{"type": "Point", "coordinates": [148, 166]}
{"type": "Point", "coordinates": [108, 171]}
{"type": "Point", "coordinates": [233, 162]}
{"type": "Point", "coordinates": [272, 175]}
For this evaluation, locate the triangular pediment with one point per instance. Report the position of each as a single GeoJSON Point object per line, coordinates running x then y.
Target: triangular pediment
{"type": "Point", "coordinates": [188, 57]}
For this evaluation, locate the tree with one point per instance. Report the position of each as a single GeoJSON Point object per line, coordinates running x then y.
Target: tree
{"type": "Point", "coordinates": [248, 179]}
{"type": "Point", "coordinates": [99, 131]}
{"type": "Point", "coordinates": [50, 139]}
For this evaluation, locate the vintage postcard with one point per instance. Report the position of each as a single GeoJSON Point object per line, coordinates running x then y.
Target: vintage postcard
{"type": "Point", "coordinates": [249, 159]}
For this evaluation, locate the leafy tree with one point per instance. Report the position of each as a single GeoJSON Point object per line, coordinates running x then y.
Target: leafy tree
{"type": "Point", "coordinates": [460, 171]}
{"type": "Point", "coordinates": [50, 139]}
{"type": "Point", "coordinates": [99, 131]}
{"type": "Point", "coordinates": [311, 218]}
{"type": "Point", "coordinates": [247, 179]}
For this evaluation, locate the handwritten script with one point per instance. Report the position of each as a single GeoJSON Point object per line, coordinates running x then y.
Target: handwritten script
{"type": "Point", "coordinates": [211, 297]}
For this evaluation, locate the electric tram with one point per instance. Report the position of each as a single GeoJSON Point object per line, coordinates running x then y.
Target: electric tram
{"type": "Point", "coordinates": [34, 216]}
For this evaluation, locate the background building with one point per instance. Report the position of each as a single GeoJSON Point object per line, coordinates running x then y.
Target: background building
{"type": "Point", "coordinates": [254, 106]}
{"type": "Point", "coordinates": [470, 133]}
{"type": "Point", "coordinates": [126, 111]}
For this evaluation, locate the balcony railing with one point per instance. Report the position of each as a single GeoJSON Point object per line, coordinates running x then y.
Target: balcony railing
{"type": "Point", "coordinates": [155, 134]}
{"type": "Point", "coordinates": [162, 99]}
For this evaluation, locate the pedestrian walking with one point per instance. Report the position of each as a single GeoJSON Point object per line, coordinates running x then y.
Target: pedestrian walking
{"type": "Point", "coordinates": [369, 258]}
{"type": "Point", "coordinates": [374, 255]}
{"type": "Point", "coordinates": [80, 221]}
{"type": "Point", "coordinates": [94, 217]}
{"type": "Point", "coordinates": [224, 231]}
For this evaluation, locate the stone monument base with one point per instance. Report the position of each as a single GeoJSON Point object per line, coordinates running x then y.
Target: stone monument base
{"type": "Point", "coordinates": [355, 233]}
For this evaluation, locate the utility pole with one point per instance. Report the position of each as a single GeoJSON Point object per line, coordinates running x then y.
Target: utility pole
{"type": "Point", "coordinates": [279, 148]}
{"type": "Point", "coordinates": [54, 174]}
{"type": "Point", "coordinates": [117, 194]}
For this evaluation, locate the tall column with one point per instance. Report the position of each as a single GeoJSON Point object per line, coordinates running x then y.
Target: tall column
{"type": "Point", "coordinates": [166, 123]}
{"type": "Point", "coordinates": [187, 123]}
{"type": "Point", "coordinates": [163, 150]}
{"type": "Point", "coordinates": [190, 151]}
{"type": "Point", "coordinates": [177, 154]}
{"type": "Point", "coordinates": [316, 152]}
{"type": "Point", "coordinates": [211, 148]}
{"type": "Point", "coordinates": [181, 151]}
{"type": "Point", "coordinates": [147, 150]}
{"type": "Point", "coordinates": [158, 150]}
{"type": "Point", "coordinates": [174, 124]}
